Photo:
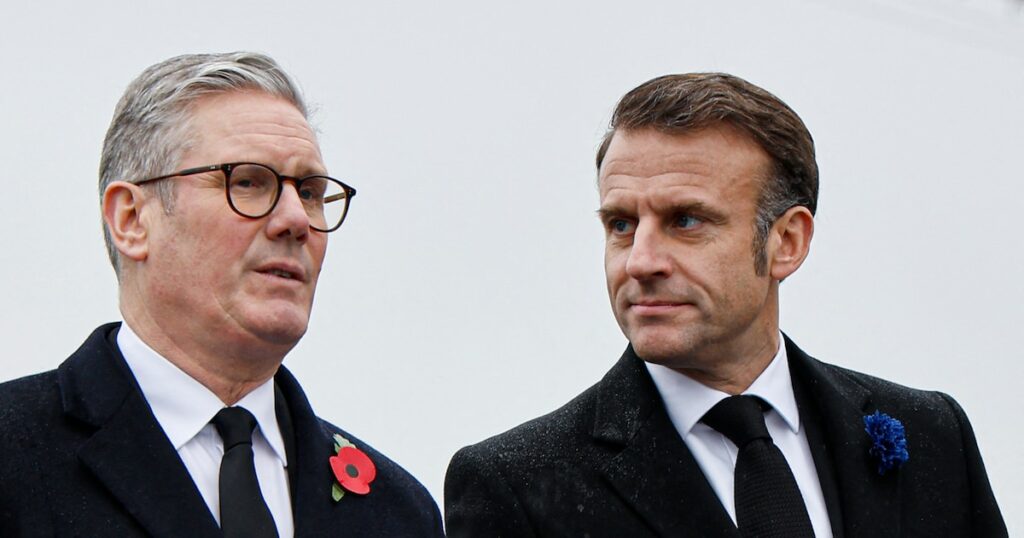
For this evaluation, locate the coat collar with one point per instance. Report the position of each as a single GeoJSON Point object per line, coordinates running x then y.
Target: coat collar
{"type": "Point", "coordinates": [131, 456]}
{"type": "Point", "coordinates": [653, 471]}
{"type": "Point", "coordinates": [309, 470]}
{"type": "Point", "coordinates": [127, 451]}
{"type": "Point", "coordinates": [833, 405]}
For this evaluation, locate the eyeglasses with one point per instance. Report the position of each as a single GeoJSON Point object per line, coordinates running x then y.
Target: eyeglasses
{"type": "Point", "coordinates": [253, 191]}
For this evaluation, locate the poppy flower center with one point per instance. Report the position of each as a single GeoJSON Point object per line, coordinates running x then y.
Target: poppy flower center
{"type": "Point", "coordinates": [351, 470]}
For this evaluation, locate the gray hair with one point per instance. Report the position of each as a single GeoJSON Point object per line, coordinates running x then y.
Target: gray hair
{"type": "Point", "coordinates": [150, 129]}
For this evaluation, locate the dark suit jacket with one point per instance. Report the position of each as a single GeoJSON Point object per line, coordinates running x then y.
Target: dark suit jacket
{"type": "Point", "coordinates": [81, 454]}
{"type": "Point", "coordinates": [610, 463]}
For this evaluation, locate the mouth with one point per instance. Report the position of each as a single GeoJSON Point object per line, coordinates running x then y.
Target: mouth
{"type": "Point", "coordinates": [657, 303]}
{"type": "Point", "coordinates": [284, 271]}
{"type": "Point", "coordinates": [280, 273]}
{"type": "Point", "coordinates": [656, 307]}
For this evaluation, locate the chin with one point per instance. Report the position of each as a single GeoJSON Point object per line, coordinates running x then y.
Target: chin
{"type": "Point", "coordinates": [652, 349]}
{"type": "Point", "coordinates": [666, 348]}
{"type": "Point", "coordinates": [283, 336]}
{"type": "Point", "coordinates": [283, 328]}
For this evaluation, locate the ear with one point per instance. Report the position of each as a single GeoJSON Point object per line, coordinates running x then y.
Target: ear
{"type": "Point", "coordinates": [123, 205]}
{"type": "Point", "coordinates": [789, 242]}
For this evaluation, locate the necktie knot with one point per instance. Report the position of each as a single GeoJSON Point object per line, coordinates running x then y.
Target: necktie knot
{"type": "Point", "coordinates": [235, 425]}
{"type": "Point", "coordinates": [768, 499]}
{"type": "Point", "coordinates": [740, 418]}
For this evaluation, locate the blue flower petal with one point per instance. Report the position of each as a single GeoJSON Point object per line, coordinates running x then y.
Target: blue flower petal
{"type": "Point", "coordinates": [889, 442]}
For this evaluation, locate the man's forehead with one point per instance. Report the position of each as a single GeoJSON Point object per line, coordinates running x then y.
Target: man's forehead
{"type": "Point", "coordinates": [225, 110]}
{"type": "Point", "coordinates": [719, 157]}
{"type": "Point", "coordinates": [254, 126]}
{"type": "Point", "coordinates": [660, 198]}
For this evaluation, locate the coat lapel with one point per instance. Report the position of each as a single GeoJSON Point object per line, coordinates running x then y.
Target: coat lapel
{"type": "Point", "coordinates": [309, 470]}
{"type": "Point", "coordinates": [128, 452]}
{"type": "Point", "coordinates": [836, 403]}
{"type": "Point", "coordinates": [654, 472]}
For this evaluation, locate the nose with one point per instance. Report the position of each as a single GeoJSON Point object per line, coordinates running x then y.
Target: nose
{"type": "Point", "coordinates": [648, 256]}
{"type": "Point", "coordinates": [289, 218]}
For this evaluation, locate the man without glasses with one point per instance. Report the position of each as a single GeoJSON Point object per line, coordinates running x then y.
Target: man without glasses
{"type": "Point", "coordinates": [181, 421]}
{"type": "Point", "coordinates": [713, 423]}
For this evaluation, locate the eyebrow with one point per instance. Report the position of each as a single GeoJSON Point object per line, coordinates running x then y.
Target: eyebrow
{"type": "Point", "coordinates": [700, 208]}
{"type": "Point", "coordinates": [697, 207]}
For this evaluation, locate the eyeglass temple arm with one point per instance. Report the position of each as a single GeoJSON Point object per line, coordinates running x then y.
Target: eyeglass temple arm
{"type": "Point", "coordinates": [339, 196]}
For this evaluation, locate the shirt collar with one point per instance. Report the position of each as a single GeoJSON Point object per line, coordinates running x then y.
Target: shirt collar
{"type": "Point", "coordinates": [687, 400]}
{"type": "Point", "coordinates": [183, 406]}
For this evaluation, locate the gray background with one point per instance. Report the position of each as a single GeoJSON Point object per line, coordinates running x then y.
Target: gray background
{"type": "Point", "coordinates": [465, 294]}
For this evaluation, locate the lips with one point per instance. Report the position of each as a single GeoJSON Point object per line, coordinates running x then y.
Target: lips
{"type": "Point", "coordinates": [284, 269]}
{"type": "Point", "coordinates": [655, 307]}
{"type": "Point", "coordinates": [280, 273]}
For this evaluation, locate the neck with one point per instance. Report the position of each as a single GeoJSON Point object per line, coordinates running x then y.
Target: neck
{"type": "Point", "coordinates": [229, 373]}
{"type": "Point", "coordinates": [737, 360]}
{"type": "Point", "coordinates": [732, 364]}
{"type": "Point", "coordinates": [735, 376]}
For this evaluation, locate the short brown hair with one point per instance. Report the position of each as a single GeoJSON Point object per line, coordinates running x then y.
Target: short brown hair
{"type": "Point", "coordinates": [675, 104]}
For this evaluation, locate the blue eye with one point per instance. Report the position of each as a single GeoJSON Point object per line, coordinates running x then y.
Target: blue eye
{"type": "Point", "coordinates": [687, 221]}
{"type": "Point", "coordinates": [620, 226]}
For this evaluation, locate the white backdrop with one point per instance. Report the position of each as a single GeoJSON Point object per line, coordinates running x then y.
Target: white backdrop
{"type": "Point", "coordinates": [465, 294]}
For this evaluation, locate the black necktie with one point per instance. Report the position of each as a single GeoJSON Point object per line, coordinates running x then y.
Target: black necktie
{"type": "Point", "coordinates": [243, 512]}
{"type": "Point", "coordinates": [768, 501]}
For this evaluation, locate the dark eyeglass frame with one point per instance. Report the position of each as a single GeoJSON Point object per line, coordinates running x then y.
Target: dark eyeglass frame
{"type": "Point", "coordinates": [226, 168]}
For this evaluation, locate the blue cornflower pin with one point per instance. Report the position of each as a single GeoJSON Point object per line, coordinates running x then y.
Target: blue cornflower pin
{"type": "Point", "coordinates": [889, 441]}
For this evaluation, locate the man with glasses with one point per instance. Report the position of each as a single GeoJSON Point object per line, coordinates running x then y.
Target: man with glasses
{"type": "Point", "coordinates": [181, 421]}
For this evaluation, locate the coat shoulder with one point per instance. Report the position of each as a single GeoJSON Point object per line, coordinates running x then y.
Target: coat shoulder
{"type": "Point", "coordinates": [407, 500]}
{"type": "Point", "coordinates": [30, 416]}
{"type": "Point", "coordinates": [394, 473]}
{"type": "Point", "coordinates": [27, 406]}
{"type": "Point", "coordinates": [537, 442]}
{"type": "Point", "coordinates": [509, 484]}
{"type": "Point", "coordinates": [936, 408]}
{"type": "Point", "coordinates": [944, 478]}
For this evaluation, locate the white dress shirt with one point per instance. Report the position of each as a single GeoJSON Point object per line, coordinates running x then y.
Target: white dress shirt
{"type": "Point", "coordinates": [184, 408]}
{"type": "Point", "coordinates": [687, 400]}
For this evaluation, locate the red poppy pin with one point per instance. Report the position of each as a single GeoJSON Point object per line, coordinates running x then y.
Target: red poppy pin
{"type": "Point", "coordinates": [353, 470]}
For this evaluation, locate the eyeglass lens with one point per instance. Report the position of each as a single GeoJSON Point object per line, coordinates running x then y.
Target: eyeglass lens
{"type": "Point", "coordinates": [253, 189]}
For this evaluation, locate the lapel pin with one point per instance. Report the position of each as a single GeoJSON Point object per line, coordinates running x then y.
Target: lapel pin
{"type": "Point", "coordinates": [889, 441]}
{"type": "Point", "coordinates": [353, 469]}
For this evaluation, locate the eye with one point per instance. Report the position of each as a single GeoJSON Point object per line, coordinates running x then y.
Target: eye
{"type": "Point", "coordinates": [687, 221]}
{"type": "Point", "coordinates": [313, 189]}
{"type": "Point", "coordinates": [620, 226]}
{"type": "Point", "coordinates": [252, 180]}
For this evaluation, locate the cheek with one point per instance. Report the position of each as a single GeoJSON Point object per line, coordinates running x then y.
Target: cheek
{"type": "Point", "coordinates": [219, 260]}
{"type": "Point", "coordinates": [739, 285]}
{"type": "Point", "coordinates": [318, 249]}
{"type": "Point", "coordinates": [614, 269]}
